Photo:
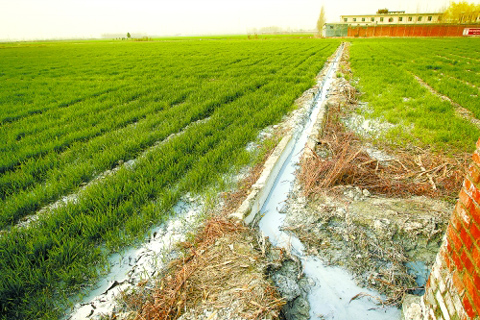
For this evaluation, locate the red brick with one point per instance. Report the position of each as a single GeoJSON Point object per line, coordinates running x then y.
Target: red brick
{"type": "Point", "coordinates": [456, 259]}
{"type": "Point", "coordinates": [465, 199]}
{"type": "Point", "coordinates": [476, 157]}
{"type": "Point", "coordinates": [448, 256]}
{"type": "Point", "coordinates": [476, 301]}
{"type": "Point", "coordinates": [468, 307]}
{"type": "Point", "coordinates": [468, 282]}
{"type": "Point", "coordinates": [476, 256]}
{"type": "Point", "coordinates": [476, 196]}
{"type": "Point", "coordinates": [455, 218]}
{"type": "Point", "coordinates": [474, 173]}
{"type": "Point", "coordinates": [466, 214]}
{"type": "Point", "coordinates": [467, 262]}
{"type": "Point", "coordinates": [467, 185]}
{"type": "Point", "coordinates": [471, 289]}
{"type": "Point", "coordinates": [452, 235]}
{"type": "Point", "coordinates": [476, 280]}
{"type": "Point", "coordinates": [475, 232]}
{"type": "Point", "coordinates": [466, 239]}
{"type": "Point", "coordinates": [475, 213]}
{"type": "Point", "coordinates": [458, 283]}
{"type": "Point", "coordinates": [448, 243]}
{"type": "Point", "coordinates": [447, 260]}
{"type": "Point", "coordinates": [471, 190]}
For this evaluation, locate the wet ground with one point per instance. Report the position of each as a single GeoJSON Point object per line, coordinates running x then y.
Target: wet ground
{"type": "Point", "coordinates": [359, 254]}
{"type": "Point", "coordinates": [139, 265]}
{"type": "Point", "coordinates": [370, 247]}
{"type": "Point", "coordinates": [387, 244]}
{"type": "Point", "coordinates": [327, 292]}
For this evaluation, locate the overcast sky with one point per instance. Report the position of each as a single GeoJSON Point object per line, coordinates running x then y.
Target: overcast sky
{"type": "Point", "coordinates": [56, 19]}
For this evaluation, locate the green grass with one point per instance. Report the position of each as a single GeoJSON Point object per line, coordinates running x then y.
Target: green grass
{"type": "Point", "coordinates": [185, 109]}
{"type": "Point", "coordinates": [385, 70]}
{"type": "Point", "coordinates": [71, 110]}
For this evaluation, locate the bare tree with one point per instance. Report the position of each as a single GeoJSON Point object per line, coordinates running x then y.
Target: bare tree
{"type": "Point", "coordinates": [321, 20]}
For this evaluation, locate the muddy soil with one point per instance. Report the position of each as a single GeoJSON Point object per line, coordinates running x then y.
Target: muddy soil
{"type": "Point", "coordinates": [388, 244]}
{"type": "Point", "coordinates": [294, 288]}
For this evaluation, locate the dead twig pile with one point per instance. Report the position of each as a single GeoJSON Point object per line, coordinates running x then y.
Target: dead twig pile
{"type": "Point", "coordinates": [220, 272]}
{"type": "Point", "coordinates": [412, 172]}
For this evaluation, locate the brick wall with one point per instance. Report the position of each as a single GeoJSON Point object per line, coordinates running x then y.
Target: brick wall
{"type": "Point", "coordinates": [433, 30]}
{"type": "Point", "coordinates": [453, 289]}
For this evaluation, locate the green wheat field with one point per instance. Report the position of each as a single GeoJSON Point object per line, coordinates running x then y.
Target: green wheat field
{"type": "Point", "coordinates": [184, 109]}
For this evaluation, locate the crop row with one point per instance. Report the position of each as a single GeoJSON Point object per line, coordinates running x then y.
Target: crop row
{"type": "Point", "coordinates": [236, 87]}
{"type": "Point", "coordinates": [52, 153]}
{"type": "Point", "coordinates": [454, 75]}
{"type": "Point", "coordinates": [45, 179]}
{"type": "Point", "coordinates": [386, 75]}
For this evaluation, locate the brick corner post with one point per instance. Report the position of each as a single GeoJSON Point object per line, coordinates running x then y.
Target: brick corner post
{"type": "Point", "coordinates": [453, 289]}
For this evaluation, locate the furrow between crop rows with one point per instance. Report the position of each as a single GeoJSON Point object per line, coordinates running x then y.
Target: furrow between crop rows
{"type": "Point", "coordinates": [82, 167]}
{"type": "Point", "coordinates": [461, 111]}
{"type": "Point", "coordinates": [385, 76]}
{"type": "Point", "coordinates": [242, 88]}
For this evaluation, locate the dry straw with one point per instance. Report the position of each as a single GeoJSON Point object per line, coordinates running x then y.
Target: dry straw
{"type": "Point", "coordinates": [221, 272]}
{"type": "Point", "coordinates": [413, 171]}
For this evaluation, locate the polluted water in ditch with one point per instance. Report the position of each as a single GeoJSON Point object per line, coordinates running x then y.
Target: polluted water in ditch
{"type": "Point", "coordinates": [331, 295]}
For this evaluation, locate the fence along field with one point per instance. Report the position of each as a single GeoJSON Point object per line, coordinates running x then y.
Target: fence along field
{"type": "Point", "coordinates": [387, 69]}
{"type": "Point", "coordinates": [70, 111]}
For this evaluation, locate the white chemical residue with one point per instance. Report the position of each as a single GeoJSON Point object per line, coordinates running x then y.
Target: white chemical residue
{"type": "Point", "coordinates": [330, 297]}
{"type": "Point", "coordinates": [137, 264]}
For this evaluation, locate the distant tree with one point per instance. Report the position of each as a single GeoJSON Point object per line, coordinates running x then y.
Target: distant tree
{"type": "Point", "coordinates": [321, 20]}
{"type": "Point", "coordinates": [270, 30]}
{"type": "Point", "coordinates": [462, 12]}
{"type": "Point", "coordinates": [129, 35]}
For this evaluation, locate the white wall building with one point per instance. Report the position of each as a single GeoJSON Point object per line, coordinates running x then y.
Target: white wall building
{"type": "Point", "coordinates": [391, 17]}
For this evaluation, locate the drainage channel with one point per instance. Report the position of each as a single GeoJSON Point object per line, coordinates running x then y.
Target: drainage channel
{"type": "Point", "coordinates": [331, 295]}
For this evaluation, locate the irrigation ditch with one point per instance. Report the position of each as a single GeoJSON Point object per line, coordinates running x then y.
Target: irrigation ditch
{"type": "Point", "coordinates": [328, 226]}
